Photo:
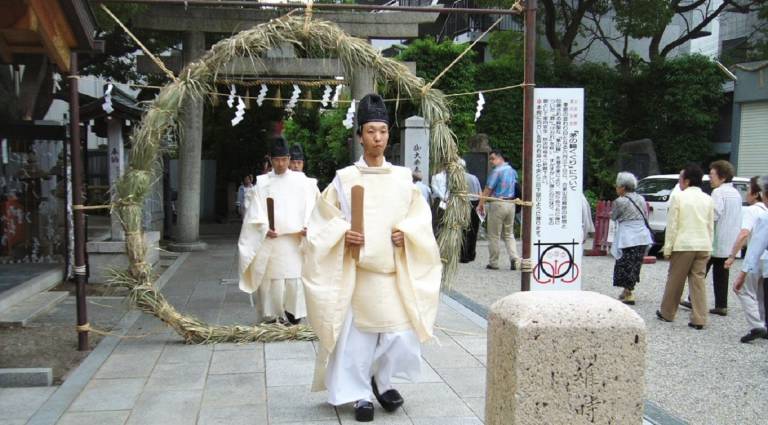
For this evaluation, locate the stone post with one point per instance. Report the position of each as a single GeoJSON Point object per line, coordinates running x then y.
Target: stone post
{"type": "Point", "coordinates": [116, 169]}
{"type": "Point", "coordinates": [569, 357]}
{"type": "Point", "coordinates": [414, 146]}
{"type": "Point", "coordinates": [190, 155]}
{"type": "Point", "coordinates": [362, 83]}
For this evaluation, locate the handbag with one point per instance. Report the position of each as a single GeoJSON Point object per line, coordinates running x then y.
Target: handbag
{"type": "Point", "coordinates": [647, 226]}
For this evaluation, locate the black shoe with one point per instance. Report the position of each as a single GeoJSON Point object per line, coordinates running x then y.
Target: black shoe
{"type": "Point", "coordinates": [697, 327]}
{"type": "Point", "coordinates": [490, 267]}
{"type": "Point", "coordinates": [391, 400]}
{"type": "Point", "coordinates": [292, 319]}
{"type": "Point", "coordinates": [662, 318]}
{"type": "Point", "coordinates": [754, 334]}
{"type": "Point", "coordinates": [363, 411]}
{"type": "Point", "coordinates": [686, 304]}
{"type": "Point", "coordinates": [719, 311]}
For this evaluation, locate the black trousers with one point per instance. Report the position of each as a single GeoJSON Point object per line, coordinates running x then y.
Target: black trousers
{"type": "Point", "coordinates": [469, 243]}
{"type": "Point", "coordinates": [719, 280]}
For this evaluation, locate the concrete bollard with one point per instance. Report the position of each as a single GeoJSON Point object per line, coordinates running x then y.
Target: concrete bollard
{"type": "Point", "coordinates": [570, 357]}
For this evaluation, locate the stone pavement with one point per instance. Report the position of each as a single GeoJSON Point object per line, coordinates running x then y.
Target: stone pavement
{"type": "Point", "coordinates": [159, 380]}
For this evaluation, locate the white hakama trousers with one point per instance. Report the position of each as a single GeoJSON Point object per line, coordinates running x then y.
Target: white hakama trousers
{"type": "Point", "coordinates": [751, 297]}
{"type": "Point", "coordinates": [360, 355]}
{"type": "Point", "coordinates": [277, 296]}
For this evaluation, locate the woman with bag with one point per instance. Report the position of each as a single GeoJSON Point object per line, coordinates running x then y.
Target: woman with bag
{"type": "Point", "coordinates": [633, 236]}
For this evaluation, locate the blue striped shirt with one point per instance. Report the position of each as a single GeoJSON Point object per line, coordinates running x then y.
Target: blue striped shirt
{"type": "Point", "coordinates": [502, 181]}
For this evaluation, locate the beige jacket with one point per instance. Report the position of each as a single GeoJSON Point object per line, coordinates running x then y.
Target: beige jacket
{"type": "Point", "coordinates": [690, 222]}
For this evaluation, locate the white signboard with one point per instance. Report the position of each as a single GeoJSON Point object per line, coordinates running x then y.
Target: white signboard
{"type": "Point", "coordinates": [556, 232]}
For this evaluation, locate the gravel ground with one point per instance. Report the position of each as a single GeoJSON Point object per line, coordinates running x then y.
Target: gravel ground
{"type": "Point", "coordinates": [703, 377]}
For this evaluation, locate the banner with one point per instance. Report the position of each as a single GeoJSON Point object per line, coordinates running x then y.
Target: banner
{"type": "Point", "coordinates": [556, 228]}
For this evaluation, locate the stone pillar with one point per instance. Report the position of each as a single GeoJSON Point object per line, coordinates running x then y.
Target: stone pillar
{"type": "Point", "coordinates": [362, 83]}
{"type": "Point", "coordinates": [569, 357]}
{"type": "Point", "coordinates": [116, 169]}
{"type": "Point", "coordinates": [414, 146]}
{"type": "Point", "coordinates": [190, 155]}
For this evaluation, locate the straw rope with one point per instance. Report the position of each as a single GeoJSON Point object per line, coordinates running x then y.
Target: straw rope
{"type": "Point", "coordinates": [198, 80]}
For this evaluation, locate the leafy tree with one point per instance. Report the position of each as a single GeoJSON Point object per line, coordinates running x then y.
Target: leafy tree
{"type": "Point", "coordinates": [324, 140]}
{"type": "Point", "coordinates": [431, 59]}
{"type": "Point", "coordinates": [675, 103]}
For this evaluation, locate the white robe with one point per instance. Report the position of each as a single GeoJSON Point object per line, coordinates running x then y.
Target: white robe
{"type": "Point", "coordinates": [265, 262]}
{"type": "Point", "coordinates": [407, 294]}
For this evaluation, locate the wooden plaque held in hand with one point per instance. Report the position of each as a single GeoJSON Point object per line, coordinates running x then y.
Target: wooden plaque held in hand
{"type": "Point", "coordinates": [271, 213]}
{"type": "Point", "coordinates": [357, 216]}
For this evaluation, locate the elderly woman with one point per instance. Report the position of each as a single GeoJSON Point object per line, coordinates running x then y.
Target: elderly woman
{"type": "Point", "coordinates": [632, 235]}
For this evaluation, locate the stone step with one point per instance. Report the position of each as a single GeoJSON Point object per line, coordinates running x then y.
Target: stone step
{"type": "Point", "coordinates": [26, 377]}
{"type": "Point", "coordinates": [42, 282]}
{"type": "Point", "coordinates": [21, 313]}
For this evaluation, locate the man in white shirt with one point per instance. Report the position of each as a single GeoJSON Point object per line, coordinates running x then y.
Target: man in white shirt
{"type": "Point", "coordinates": [727, 225]}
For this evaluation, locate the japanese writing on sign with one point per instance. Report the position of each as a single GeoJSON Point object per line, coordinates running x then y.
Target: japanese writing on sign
{"type": "Point", "coordinates": [556, 232]}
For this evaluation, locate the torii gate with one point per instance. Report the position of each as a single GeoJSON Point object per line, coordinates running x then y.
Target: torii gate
{"type": "Point", "coordinates": [196, 20]}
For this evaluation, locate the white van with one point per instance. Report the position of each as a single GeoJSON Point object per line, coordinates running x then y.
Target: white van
{"type": "Point", "coordinates": [657, 189]}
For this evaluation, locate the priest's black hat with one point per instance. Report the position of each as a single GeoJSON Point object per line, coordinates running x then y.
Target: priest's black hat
{"type": "Point", "coordinates": [297, 153]}
{"type": "Point", "coordinates": [371, 109]}
{"type": "Point", "coordinates": [279, 147]}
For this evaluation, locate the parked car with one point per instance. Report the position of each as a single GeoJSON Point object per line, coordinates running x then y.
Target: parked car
{"type": "Point", "coordinates": [657, 190]}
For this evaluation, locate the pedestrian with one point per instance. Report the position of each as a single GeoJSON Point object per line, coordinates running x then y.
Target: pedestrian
{"type": "Point", "coordinates": [439, 186]}
{"type": "Point", "coordinates": [270, 258]}
{"type": "Point", "coordinates": [425, 191]}
{"type": "Point", "coordinates": [727, 225]}
{"type": "Point", "coordinates": [469, 235]}
{"type": "Point", "coordinates": [750, 287]}
{"type": "Point", "coordinates": [499, 190]}
{"type": "Point", "coordinates": [688, 245]}
{"type": "Point", "coordinates": [297, 158]}
{"type": "Point", "coordinates": [371, 311]}
{"type": "Point", "coordinates": [633, 236]}
{"type": "Point", "coordinates": [245, 186]}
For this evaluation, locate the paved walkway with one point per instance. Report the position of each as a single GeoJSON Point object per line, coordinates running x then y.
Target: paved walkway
{"type": "Point", "coordinates": [160, 380]}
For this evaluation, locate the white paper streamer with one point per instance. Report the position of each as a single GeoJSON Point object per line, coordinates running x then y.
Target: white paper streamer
{"type": "Point", "coordinates": [326, 96]}
{"type": "Point", "coordinates": [480, 103]}
{"type": "Point", "coordinates": [262, 94]}
{"type": "Point", "coordinates": [231, 98]}
{"type": "Point", "coordinates": [336, 94]}
{"type": "Point", "coordinates": [239, 111]}
{"type": "Point", "coordinates": [349, 121]}
{"type": "Point", "coordinates": [107, 105]}
{"type": "Point", "coordinates": [294, 98]}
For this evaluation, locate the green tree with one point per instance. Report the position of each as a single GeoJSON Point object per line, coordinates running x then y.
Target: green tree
{"type": "Point", "coordinates": [675, 103]}
{"type": "Point", "coordinates": [324, 139]}
{"type": "Point", "coordinates": [431, 59]}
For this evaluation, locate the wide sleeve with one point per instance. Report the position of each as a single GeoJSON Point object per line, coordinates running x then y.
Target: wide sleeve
{"type": "Point", "coordinates": [327, 271]}
{"type": "Point", "coordinates": [419, 267]}
{"type": "Point", "coordinates": [252, 252]}
{"type": "Point", "coordinates": [672, 220]}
